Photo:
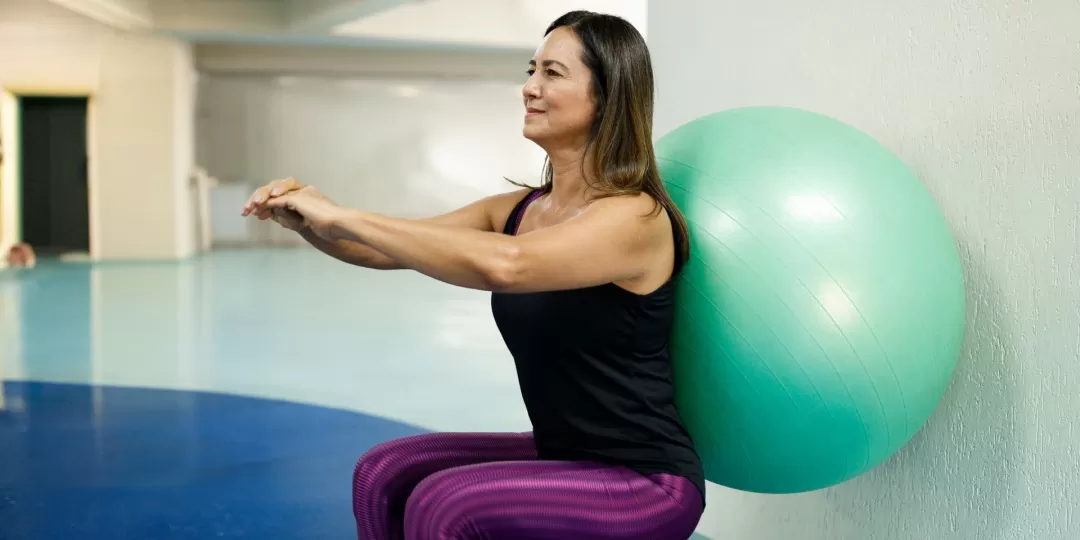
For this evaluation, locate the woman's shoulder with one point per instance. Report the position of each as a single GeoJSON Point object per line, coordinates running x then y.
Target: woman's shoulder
{"type": "Point", "coordinates": [641, 206]}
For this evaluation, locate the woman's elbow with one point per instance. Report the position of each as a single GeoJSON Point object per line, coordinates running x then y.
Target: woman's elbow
{"type": "Point", "coordinates": [505, 271]}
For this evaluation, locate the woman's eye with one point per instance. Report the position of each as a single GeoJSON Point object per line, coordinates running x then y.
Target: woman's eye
{"type": "Point", "coordinates": [548, 72]}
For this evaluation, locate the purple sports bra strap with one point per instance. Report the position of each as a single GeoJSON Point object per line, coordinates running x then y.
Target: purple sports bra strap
{"type": "Point", "coordinates": [514, 221]}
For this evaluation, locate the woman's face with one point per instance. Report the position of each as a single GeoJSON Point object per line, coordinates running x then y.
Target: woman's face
{"type": "Point", "coordinates": [559, 106]}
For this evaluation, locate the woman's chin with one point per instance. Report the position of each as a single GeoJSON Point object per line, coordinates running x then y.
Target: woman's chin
{"type": "Point", "coordinates": [531, 133]}
{"type": "Point", "coordinates": [536, 132]}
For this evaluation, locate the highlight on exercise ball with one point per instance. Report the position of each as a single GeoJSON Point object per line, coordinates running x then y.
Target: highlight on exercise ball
{"type": "Point", "coordinates": [822, 312]}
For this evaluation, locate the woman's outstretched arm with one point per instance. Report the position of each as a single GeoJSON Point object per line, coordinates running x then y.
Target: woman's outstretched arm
{"type": "Point", "coordinates": [486, 214]}
{"type": "Point", "coordinates": [614, 239]}
{"type": "Point", "coordinates": [350, 252]}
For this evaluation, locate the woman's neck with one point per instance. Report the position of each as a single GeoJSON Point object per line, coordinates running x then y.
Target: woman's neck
{"type": "Point", "coordinates": [568, 186]}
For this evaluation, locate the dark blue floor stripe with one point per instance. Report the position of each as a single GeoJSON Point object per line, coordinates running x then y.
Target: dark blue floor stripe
{"type": "Point", "coordinates": [144, 464]}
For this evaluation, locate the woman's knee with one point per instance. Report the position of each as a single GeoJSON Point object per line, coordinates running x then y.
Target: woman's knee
{"type": "Point", "coordinates": [382, 463]}
{"type": "Point", "coordinates": [382, 481]}
{"type": "Point", "coordinates": [433, 510]}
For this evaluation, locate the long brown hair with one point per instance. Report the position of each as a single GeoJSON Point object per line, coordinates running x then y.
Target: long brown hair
{"type": "Point", "coordinates": [623, 159]}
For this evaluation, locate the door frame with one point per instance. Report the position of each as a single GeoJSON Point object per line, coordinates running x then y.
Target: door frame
{"type": "Point", "coordinates": [11, 173]}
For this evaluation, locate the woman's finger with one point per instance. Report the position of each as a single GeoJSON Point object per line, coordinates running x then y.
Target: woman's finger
{"type": "Point", "coordinates": [281, 201]}
{"type": "Point", "coordinates": [280, 187]}
{"type": "Point", "coordinates": [256, 199]}
{"type": "Point", "coordinates": [269, 191]}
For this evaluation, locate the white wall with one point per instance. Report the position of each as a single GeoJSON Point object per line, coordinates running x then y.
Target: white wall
{"type": "Point", "coordinates": [138, 134]}
{"type": "Point", "coordinates": [184, 99]}
{"type": "Point", "coordinates": [408, 147]}
{"type": "Point", "coordinates": [9, 172]}
{"type": "Point", "coordinates": [982, 99]}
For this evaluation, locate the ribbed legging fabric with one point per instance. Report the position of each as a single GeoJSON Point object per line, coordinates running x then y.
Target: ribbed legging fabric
{"type": "Point", "coordinates": [491, 486]}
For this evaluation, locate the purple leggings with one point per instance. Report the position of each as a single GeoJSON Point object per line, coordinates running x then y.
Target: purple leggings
{"type": "Point", "coordinates": [473, 486]}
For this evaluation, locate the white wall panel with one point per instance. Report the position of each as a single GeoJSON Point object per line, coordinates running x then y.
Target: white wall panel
{"type": "Point", "coordinates": [408, 148]}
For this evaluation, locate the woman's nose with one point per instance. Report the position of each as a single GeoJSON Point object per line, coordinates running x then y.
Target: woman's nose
{"type": "Point", "coordinates": [531, 89]}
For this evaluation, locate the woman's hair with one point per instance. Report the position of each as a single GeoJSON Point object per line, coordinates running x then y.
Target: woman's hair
{"type": "Point", "coordinates": [623, 160]}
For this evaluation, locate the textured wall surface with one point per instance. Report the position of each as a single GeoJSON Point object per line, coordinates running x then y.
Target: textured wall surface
{"type": "Point", "coordinates": [982, 99]}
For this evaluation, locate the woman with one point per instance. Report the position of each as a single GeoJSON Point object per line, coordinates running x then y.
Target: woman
{"type": "Point", "coordinates": [581, 273]}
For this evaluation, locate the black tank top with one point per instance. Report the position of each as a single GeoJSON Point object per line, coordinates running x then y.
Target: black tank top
{"type": "Point", "coordinates": [595, 374]}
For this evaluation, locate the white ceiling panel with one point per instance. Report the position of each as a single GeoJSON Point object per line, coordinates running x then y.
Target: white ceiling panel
{"type": "Point", "coordinates": [441, 24]}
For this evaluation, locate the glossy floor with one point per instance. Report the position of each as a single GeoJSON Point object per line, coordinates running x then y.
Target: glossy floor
{"type": "Point", "coordinates": [227, 396]}
{"type": "Point", "coordinates": [284, 324]}
{"type": "Point", "coordinates": [109, 462]}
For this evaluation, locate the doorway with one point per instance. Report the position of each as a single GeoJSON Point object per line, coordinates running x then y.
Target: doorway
{"type": "Point", "coordinates": [53, 157]}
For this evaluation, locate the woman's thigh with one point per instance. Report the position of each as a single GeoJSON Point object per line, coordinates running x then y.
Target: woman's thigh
{"type": "Point", "coordinates": [551, 500]}
{"type": "Point", "coordinates": [386, 475]}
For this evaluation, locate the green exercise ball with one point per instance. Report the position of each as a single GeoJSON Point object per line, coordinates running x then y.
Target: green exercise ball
{"type": "Point", "coordinates": [821, 313]}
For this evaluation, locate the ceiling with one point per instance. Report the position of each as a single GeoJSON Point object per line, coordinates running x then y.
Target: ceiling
{"type": "Point", "coordinates": [441, 24]}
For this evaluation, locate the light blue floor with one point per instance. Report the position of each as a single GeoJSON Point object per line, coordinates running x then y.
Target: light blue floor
{"type": "Point", "coordinates": [92, 351]}
{"type": "Point", "coordinates": [285, 324]}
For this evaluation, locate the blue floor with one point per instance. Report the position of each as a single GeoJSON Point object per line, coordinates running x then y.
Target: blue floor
{"type": "Point", "coordinates": [228, 396]}
{"type": "Point", "coordinates": [89, 463]}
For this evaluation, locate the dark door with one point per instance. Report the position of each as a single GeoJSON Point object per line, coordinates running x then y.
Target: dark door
{"type": "Point", "coordinates": [55, 197]}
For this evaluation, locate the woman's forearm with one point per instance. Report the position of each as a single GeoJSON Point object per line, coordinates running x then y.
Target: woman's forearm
{"type": "Point", "coordinates": [350, 252]}
{"type": "Point", "coordinates": [459, 256]}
